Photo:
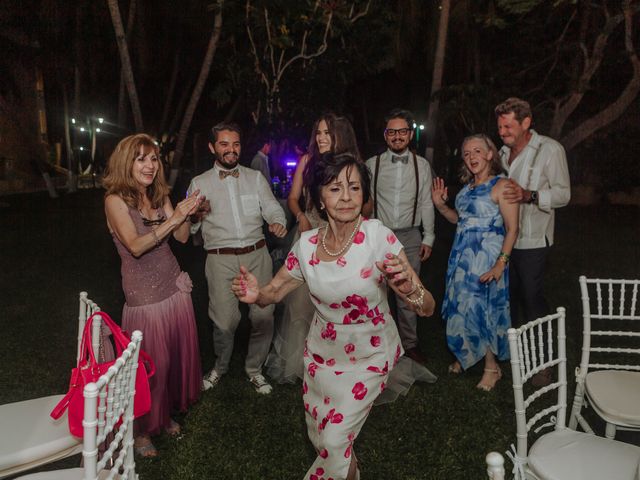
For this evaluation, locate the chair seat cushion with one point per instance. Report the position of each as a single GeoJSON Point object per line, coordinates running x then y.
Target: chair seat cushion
{"type": "Point", "coordinates": [568, 455]}
{"type": "Point", "coordinates": [615, 393]}
{"type": "Point", "coordinates": [30, 434]}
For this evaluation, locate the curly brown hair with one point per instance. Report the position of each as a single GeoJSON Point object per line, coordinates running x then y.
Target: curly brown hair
{"type": "Point", "coordinates": [118, 179]}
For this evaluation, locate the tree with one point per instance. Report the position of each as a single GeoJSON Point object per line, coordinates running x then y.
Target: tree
{"type": "Point", "coordinates": [197, 92]}
{"type": "Point", "coordinates": [125, 61]}
{"type": "Point", "coordinates": [591, 62]}
{"type": "Point", "coordinates": [283, 36]}
{"type": "Point", "coordinates": [436, 81]}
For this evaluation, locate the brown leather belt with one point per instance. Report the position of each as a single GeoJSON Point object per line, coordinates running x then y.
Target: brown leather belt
{"type": "Point", "coordinates": [237, 251]}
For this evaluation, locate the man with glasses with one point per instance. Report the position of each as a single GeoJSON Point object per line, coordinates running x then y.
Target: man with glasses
{"type": "Point", "coordinates": [401, 193]}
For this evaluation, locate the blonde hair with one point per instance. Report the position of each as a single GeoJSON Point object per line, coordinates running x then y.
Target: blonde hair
{"type": "Point", "coordinates": [496, 167]}
{"type": "Point", "coordinates": [118, 179]}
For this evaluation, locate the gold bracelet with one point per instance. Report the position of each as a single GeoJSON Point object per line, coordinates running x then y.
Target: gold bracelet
{"type": "Point", "coordinates": [155, 237]}
{"type": "Point", "coordinates": [418, 301]}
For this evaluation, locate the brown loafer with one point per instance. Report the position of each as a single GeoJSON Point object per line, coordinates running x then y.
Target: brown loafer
{"type": "Point", "coordinates": [416, 355]}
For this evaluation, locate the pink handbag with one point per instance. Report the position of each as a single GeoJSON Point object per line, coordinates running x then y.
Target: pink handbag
{"type": "Point", "coordinates": [89, 370]}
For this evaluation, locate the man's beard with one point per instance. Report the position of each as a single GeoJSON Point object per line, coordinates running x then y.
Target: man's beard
{"type": "Point", "coordinates": [228, 161]}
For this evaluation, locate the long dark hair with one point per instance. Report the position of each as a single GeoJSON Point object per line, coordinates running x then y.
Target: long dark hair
{"type": "Point", "coordinates": [343, 140]}
{"type": "Point", "coordinates": [328, 168]}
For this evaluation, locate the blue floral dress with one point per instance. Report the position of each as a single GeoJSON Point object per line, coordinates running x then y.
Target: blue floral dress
{"type": "Point", "coordinates": [477, 314]}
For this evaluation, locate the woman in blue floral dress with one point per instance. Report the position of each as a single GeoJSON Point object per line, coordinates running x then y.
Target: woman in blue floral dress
{"type": "Point", "coordinates": [476, 301]}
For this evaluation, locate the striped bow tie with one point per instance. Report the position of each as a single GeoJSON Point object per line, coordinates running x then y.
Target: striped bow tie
{"type": "Point", "coordinates": [400, 158]}
{"type": "Point", "coordinates": [225, 173]}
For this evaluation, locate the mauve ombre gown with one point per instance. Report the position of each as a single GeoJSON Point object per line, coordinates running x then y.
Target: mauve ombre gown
{"type": "Point", "coordinates": [158, 303]}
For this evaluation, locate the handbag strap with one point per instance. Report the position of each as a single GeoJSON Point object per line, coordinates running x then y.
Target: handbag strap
{"type": "Point", "coordinates": [120, 339]}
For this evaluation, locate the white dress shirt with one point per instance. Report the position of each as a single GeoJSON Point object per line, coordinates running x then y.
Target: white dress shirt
{"type": "Point", "coordinates": [541, 166]}
{"type": "Point", "coordinates": [397, 190]}
{"type": "Point", "coordinates": [238, 207]}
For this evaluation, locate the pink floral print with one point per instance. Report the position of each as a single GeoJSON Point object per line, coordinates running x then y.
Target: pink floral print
{"type": "Point", "coordinates": [292, 261]}
{"type": "Point", "coordinates": [359, 391]}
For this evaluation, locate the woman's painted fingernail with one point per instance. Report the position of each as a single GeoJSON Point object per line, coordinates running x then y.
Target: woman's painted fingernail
{"type": "Point", "coordinates": [389, 255]}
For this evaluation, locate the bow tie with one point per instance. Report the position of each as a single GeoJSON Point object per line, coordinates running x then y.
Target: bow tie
{"type": "Point", "coordinates": [225, 173]}
{"type": "Point", "coordinates": [400, 158]}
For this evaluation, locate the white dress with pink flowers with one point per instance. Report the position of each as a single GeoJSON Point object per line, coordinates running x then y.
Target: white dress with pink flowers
{"type": "Point", "coordinates": [352, 344]}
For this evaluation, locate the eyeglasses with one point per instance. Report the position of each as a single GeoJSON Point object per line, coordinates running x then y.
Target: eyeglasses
{"type": "Point", "coordinates": [391, 132]}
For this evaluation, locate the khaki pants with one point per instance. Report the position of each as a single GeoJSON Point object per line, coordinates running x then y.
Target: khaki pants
{"type": "Point", "coordinates": [225, 313]}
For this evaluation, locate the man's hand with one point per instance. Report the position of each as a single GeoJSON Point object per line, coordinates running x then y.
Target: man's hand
{"type": "Point", "coordinates": [278, 230]}
{"type": "Point", "coordinates": [425, 252]}
{"type": "Point", "coordinates": [514, 193]}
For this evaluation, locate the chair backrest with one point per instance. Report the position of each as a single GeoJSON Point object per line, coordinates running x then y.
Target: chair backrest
{"type": "Point", "coordinates": [88, 308]}
{"type": "Point", "coordinates": [611, 324]}
{"type": "Point", "coordinates": [108, 417]}
{"type": "Point", "coordinates": [534, 348]}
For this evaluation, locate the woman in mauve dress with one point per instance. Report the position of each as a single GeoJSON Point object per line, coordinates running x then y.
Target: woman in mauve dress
{"type": "Point", "coordinates": [353, 343]}
{"type": "Point", "coordinates": [157, 293]}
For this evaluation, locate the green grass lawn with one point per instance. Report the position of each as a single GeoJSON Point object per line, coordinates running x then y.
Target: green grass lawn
{"type": "Point", "coordinates": [53, 249]}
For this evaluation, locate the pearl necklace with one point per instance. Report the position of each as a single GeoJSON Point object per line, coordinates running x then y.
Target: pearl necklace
{"type": "Point", "coordinates": [346, 245]}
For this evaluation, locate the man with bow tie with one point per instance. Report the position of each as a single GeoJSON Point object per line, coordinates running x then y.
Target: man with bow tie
{"type": "Point", "coordinates": [401, 193]}
{"type": "Point", "coordinates": [240, 199]}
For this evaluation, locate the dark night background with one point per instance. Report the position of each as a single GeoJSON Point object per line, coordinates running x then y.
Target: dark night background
{"type": "Point", "coordinates": [568, 58]}
{"type": "Point", "coordinates": [195, 63]}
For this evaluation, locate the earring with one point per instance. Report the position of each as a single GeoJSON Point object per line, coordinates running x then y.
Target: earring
{"type": "Point", "coordinates": [321, 206]}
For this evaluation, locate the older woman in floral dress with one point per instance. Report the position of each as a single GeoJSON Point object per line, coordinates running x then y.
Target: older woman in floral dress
{"type": "Point", "coordinates": [353, 343]}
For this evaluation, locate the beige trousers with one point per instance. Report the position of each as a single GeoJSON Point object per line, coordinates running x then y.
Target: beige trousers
{"type": "Point", "coordinates": [225, 313]}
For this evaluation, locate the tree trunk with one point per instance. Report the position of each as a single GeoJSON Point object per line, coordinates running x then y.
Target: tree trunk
{"type": "Point", "coordinates": [126, 64]}
{"type": "Point", "coordinates": [167, 101]}
{"type": "Point", "coordinates": [195, 97]}
{"type": "Point", "coordinates": [72, 180]}
{"type": "Point", "coordinates": [122, 93]}
{"type": "Point", "coordinates": [436, 82]}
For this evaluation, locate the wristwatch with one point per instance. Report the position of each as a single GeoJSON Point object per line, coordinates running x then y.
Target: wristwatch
{"type": "Point", "coordinates": [534, 197]}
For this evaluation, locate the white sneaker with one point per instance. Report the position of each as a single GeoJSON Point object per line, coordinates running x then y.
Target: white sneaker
{"type": "Point", "coordinates": [210, 380]}
{"type": "Point", "coordinates": [261, 385]}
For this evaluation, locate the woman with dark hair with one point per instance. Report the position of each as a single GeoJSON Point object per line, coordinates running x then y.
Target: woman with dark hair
{"type": "Point", "coordinates": [476, 302]}
{"type": "Point", "coordinates": [331, 133]}
{"type": "Point", "coordinates": [141, 218]}
{"type": "Point", "coordinates": [353, 343]}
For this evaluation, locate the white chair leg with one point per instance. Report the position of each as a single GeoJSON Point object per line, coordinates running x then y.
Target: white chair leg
{"type": "Point", "coordinates": [610, 431]}
{"type": "Point", "coordinates": [495, 466]}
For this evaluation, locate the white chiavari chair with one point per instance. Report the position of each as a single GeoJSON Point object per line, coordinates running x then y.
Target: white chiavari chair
{"type": "Point", "coordinates": [108, 424]}
{"type": "Point", "coordinates": [562, 453]}
{"type": "Point", "coordinates": [36, 439]}
{"type": "Point", "coordinates": [608, 378]}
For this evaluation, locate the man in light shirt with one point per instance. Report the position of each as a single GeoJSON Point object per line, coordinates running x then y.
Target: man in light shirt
{"type": "Point", "coordinates": [401, 193]}
{"type": "Point", "coordinates": [260, 161]}
{"type": "Point", "coordinates": [239, 200]}
{"type": "Point", "coordinates": [539, 181]}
